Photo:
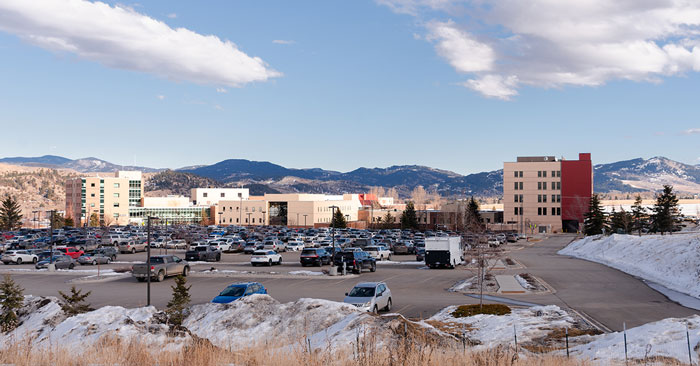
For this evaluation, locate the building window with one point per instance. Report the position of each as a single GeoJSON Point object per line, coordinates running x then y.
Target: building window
{"type": "Point", "coordinates": [515, 199]}
{"type": "Point", "coordinates": [92, 184]}
{"type": "Point", "coordinates": [236, 220]}
{"type": "Point", "coordinates": [558, 185]}
{"type": "Point", "coordinates": [554, 186]}
{"type": "Point", "coordinates": [223, 195]}
{"type": "Point", "coordinates": [544, 211]}
{"type": "Point", "coordinates": [539, 198]}
{"type": "Point", "coordinates": [554, 211]}
{"type": "Point", "coordinates": [554, 198]}
{"type": "Point", "coordinates": [521, 174]}
{"type": "Point", "coordinates": [544, 198]}
{"type": "Point", "coordinates": [116, 195]}
{"type": "Point", "coordinates": [544, 174]}
{"type": "Point", "coordinates": [558, 198]}
{"type": "Point", "coordinates": [92, 195]}
{"type": "Point", "coordinates": [521, 185]}
{"type": "Point", "coordinates": [539, 186]}
{"type": "Point", "coordinates": [116, 204]}
{"type": "Point", "coordinates": [116, 185]}
{"type": "Point", "coordinates": [539, 211]}
{"type": "Point", "coordinates": [558, 173]}
{"type": "Point", "coordinates": [515, 185]}
{"type": "Point", "coordinates": [223, 208]}
{"type": "Point", "coordinates": [558, 211]}
{"type": "Point", "coordinates": [253, 209]}
{"type": "Point", "coordinates": [539, 174]}
{"type": "Point", "coordinates": [92, 205]}
{"type": "Point", "coordinates": [205, 194]}
{"type": "Point", "coordinates": [516, 211]}
{"type": "Point", "coordinates": [554, 173]}
{"type": "Point", "coordinates": [516, 173]}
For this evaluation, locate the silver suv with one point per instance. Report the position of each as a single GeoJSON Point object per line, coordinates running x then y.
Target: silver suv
{"type": "Point", "coordinates": [370, 296]}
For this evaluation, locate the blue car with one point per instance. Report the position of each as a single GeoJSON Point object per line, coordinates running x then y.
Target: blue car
{"type": "Point", "coordinates": [238, 290]}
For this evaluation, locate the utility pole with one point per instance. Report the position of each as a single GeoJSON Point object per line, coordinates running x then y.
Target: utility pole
{"type": "Point", "coordinates": [51, 215]}
{"type": "Point", "coordinates": [333, 229]}
{"type": "Point", "coordinates": [240, 208]}
{"type": "Point", "coordinates": [248, 219]}
{"type": "Point", "coordinates": [148, 262]}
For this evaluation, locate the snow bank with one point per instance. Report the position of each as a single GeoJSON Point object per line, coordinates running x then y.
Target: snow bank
{"type": "Point", "coordinates": [665, 338]}
{"type": "Point", "coordinates": [670, 260]}
{"type": "Point", "coordinates": [43, 321]}
{"type": "Point", "coordinates": [494, 330]}
{"type": "Point", "coordinates": [306, 273]}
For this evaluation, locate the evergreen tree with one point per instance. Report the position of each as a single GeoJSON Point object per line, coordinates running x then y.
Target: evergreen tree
{"type": "Point", "coordinates": [388, 220]}
{"type": "Point", "coordinates": [68, 221]}
{"type": "Point", "coordinates": [94, 220]}
{"type": "Point", "coordinates": [179, 302]}
{"type": "Point", "coordinates": [594, 220]}
{"type": "Point", "coordinates": [338, 220]}
{"type": "Point", "coordinates": [73, 304]}
{"type": "Point", "coordinates": [409, 219]}
{"type": "Point", "coordinates": [472, 217]}
{"type": "Point", "coordinates": [10, 214]}
{"type": "Point", "coordinates": [11, 297]}
{"type": "Point", "coordinates": [621, 221]}
{"type": "Point", "coordinates": [666, 214]}
{"type": "Point", "coordinates": [57, 220]}
{"type": "Point", "coordinates": [639, 215]}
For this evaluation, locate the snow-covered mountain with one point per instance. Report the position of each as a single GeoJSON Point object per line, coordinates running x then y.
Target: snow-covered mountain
{"type": "Point", "coordinates": [84, 165]}
{"type": "Point", "coordinates": [646, 175]}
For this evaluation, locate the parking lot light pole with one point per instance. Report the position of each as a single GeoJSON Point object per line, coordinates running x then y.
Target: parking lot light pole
{"type": "Point", "coordinates": [333, 223]}
{"type": "Point", "coordinates": [148, 262]}
{"type": "Point", "coordinates": [51, 215]}
{"type": "Point", "coordinates": [248, 219]}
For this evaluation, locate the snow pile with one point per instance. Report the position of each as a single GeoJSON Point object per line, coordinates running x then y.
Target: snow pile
{"type": "Point", "coordinates": [523, 283]}
{"type": "Point", "coordinates": [670, 260]}
{"type": "Point", "coordinates": [493, 330]}
{"type": "Point", "coordinates": [665, 338]}
{"type": "Point", "coordinates": [43, 321]}
{"type": "Point", "coordinates": [306, 273]}
{"type": "Point", "coordinates": [260, 319]}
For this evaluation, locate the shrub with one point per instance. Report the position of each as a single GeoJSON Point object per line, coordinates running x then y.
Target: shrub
{"type": "Point", "coordinates": [11, 297]}
{"type": "Point", "coordinates": [471, 310]}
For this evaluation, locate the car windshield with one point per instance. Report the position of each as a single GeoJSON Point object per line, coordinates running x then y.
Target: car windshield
{"type": "Point", "coordinates": [156, 260]}
{"type": "Point", "coordinates": [200, 249]}
{"type": "Point", "coordinates": [235, 291]}
{"type": "Point", "coordinates": [308, 251]}
{"type": "Point", "coordinates": [362, 292]}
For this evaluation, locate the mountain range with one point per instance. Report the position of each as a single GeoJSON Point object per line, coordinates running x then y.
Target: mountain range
{"type": "Point", "coordinates": [628, 176]}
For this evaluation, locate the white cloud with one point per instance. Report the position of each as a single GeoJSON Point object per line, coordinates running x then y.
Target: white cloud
{"type": "Point", "coordinates": [172, 15]}
{"type": "Point", "coordinates": [160, 97]}
{"type": "Point", "coordinates": [545, 43]}
{"type": "Point", "coordinates": [221, 90]}
{"type": "Point", "coordinates": [282, 41]}
{"type": "Point", "coordinates": [692, 131]}
{"type": "Point", "coordinates": [121, 38]}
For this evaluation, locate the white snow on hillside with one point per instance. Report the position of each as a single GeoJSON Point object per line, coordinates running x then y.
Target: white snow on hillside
{"type": "Point", "coordinates": [670, 260]}
{"type": "Point", "coordinates": [665, 338]}
{"type": "Point", "coordinates": [495, 330]}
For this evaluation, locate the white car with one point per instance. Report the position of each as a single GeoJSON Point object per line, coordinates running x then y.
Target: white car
{"type": "Point", "coordinates": [370, 296]}
{"type": "Point", "coordinates": [378, 252]}
{"type": "Point", "coordinates": [295, 245]}
{"type": "Point", "coordinates": [265, 257]}
{"type": "Point", "coordinates": [18, 257]}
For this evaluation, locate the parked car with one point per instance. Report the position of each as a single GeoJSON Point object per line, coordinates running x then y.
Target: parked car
{"type": "Point", "coordinates": [355, 261]}
{"type": "Point", "coordinates": [94, 259]}
{"type": "Point", "coordinates": [238, 290]}
{"type": "Point", "coordinates": [221, 244]}
{"type": "Point", "coordinates": [203, 253]}
{"type": "Point", "coordinates": [176, 244]}
{"type": "Point", "coordinates": [251, 247]}
{"type": "Point", "coordinates": [70, 251]}
{"type": "Point", "coordinates": [314, 256]}
{"type": "Point", "coordinates": [61, 262]}
{"type": "Point", "coordinates": [295, 245]}
{"type": "Point", "coordinates": [378, 252]}
{"type": "Point", "coordinates": [275, 245]}
{"type": "Point", "coordinates": [130, 246]}
{"type": "Point", "coordinates": [268, 257]}
{"type": "Point", "coordinates": [19, 257]}
{"type": "Point", "coordinates": [370, 296]}
{"type": "Point", "coordinates": [110, 252]}
{"type": "Point", "coordinates": [162, 266]}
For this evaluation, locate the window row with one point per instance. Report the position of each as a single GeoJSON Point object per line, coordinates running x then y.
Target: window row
{"type": "Point", "coordinates": [223, 208]}
{"type": "Point", "coordinates": [542, 211]}
{"type": "Point", "coordinates": [542, 186]}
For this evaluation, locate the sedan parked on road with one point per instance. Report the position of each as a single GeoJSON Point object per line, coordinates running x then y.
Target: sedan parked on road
{"type": "Point", "coordinates": [238, 290]}
{"type": "Point", "coordinates": [94, 259]}
{"type": "Point", "coordinates": [314, 257]}
{"type": "Point", "coordinates": [61, 262]}
{"type": "Point", "coordinates": [268, 257]}
{"type": "Point", "coordinates": [370, 296]}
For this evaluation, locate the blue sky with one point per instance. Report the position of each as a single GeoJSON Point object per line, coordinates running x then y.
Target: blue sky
{"type": "Point", "coordinates": [355, 83]}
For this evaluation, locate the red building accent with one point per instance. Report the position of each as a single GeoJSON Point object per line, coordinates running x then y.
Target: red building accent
{"type": "Point", "coordinates": [576, 190]}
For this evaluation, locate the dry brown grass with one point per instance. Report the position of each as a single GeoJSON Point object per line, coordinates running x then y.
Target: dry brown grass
{"type": "Point", "coordinates": [415, 349]}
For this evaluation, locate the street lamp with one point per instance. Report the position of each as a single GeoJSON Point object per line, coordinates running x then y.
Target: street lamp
{"type": "Point", "coordinates": [297, 223]}
{"type": "Point", "coordinates": [240, 208]}
{"type": "Point", "coordinates": [333, 223]}
{"type": "Point", "coordinates": [51, 215]}
{"type": "Point", "coordinates": [263, 217]}
{"type": "Point", "coordinates": [148, 261]}
{"type": "Point", "coordinates": [220, 215]}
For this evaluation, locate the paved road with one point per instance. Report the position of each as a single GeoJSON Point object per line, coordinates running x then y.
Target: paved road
{"type": "Point", "coordinates": [608, 295]}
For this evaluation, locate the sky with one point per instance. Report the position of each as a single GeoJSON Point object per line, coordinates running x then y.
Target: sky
{"type": "Point", "coordinates": [462, 85]}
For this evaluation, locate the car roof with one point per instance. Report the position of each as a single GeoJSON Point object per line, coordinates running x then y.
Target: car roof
{"type": "Point", "coordinates": [368, 284]}
{"type": "Point", "coordinates": [237, 284]}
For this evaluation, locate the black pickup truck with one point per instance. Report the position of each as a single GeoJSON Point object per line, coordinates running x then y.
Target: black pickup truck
{"type": "Point", "coordinates": [204, 253]}
{"type": "Point", "coordinates": [355, 261]}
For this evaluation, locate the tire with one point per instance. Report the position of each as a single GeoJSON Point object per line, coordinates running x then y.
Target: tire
{"type": "Point", "coordinates": [108, 261]}
{"type": "Point", "coordinates": [160, 277]}
{"type": "Point", "coordinates": [140, 279]}
{"type": "Point", "coordinates": [34, 260]}
{"type": "Point", "coordinates": [71, 266]}
{"type": "Point", "coordinates": [82, 249]}
{"type": "Point", "coordinates": [319, 263]}
{"type": "Point", "coordinates": [269, 263]}
{"type": "Point", "coordinates": [373, 268]}
{"type": "Point", "coordinates": [94, 262]}
{"type": "Point", "coordinates": [389, 257]}
{"type": "Point", "coordinates": [185, 271]}
{"type": "Point", "coordinates": [19, 260]}
{"type": "Point", "coordinates": [133, 250]}
{"type": "Point", "coordinates": [375, 310]}
{"type": "Point", "coordinates": [279, 262]}
{"type": "Point", "coordinates": [388, 305]}
{"type": "Point", "coordinates": [114, 257]}
{"type": "Point", "coordinates": [218, 258]}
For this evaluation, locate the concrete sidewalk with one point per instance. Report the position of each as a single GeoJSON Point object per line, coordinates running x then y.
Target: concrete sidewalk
{"type": "Point", "coordinates": [507, 284]}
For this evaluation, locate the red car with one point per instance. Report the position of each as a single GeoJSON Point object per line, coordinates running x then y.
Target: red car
{"type": "Point", "coordinates": [70, 251]}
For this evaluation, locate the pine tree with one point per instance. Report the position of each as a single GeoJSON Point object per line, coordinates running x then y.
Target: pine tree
{"type": "Point", "coordinates": [11, 298]}
{"type": "Point", "coordinates": [409, 219]}
{"type": "Point", "coordinates": [68, 221]}
{"type": "Point", "coordinates": [621, 221]}
{"type": "Point", "coordinates": [73, 304]}
{"type": "Point", "coordinates": [179, 302]}
{"type": "Point", "coordinates": [388, 220]}
{"type": "Point", "coordinates": [10, 214]}
{"type": "Point", "coordinates": [639, 215]}
{"type": "Point", "coordinates": [57, 220]}
{"type": "Point", "coordinates": [666, 214]}
{"type": "Point", "coordinates": [594, 220]}
{"type": "Point", "coordinates": [472, 217]}
{"type": "Point", "coordinates": [338, 220]}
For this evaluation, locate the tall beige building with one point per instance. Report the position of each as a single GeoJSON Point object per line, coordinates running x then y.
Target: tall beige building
{"type": "Point", "coordinates": [107, 197]}
{"type": "Point", "coordinates": [543, 194]}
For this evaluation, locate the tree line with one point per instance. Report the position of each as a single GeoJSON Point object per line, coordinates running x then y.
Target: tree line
{"type": "Point", "coordinates": [663, 217]}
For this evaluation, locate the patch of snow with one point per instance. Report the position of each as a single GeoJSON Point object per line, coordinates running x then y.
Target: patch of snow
{"type": "Point", "coordinates": [494, 330]}
{"type": "Point", "coordinates": [413, 263]}
{"type": "Point", "coordinates": [306, 273]}
{"type": "Point", "coordinates": [665, 338]}
{"type": "Point", "coordinates": [526, 285]}
{"type": "Point", "coordinates": [669, 260]}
